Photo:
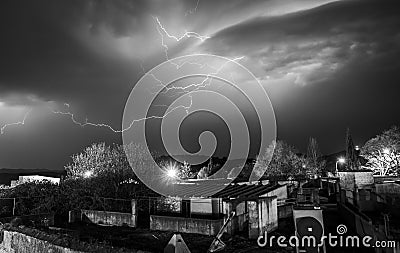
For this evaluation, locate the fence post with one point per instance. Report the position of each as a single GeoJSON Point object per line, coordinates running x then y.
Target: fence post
{"type": "Point", "coordinates": [14, 207]}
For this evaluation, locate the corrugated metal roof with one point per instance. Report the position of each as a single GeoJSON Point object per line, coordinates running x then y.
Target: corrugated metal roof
{"type": "Point", "coordinates": [245, 191]}
{"type": "Point", "coordinates": [212, 189]}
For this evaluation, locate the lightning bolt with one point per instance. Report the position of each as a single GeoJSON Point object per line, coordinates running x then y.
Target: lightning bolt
{"type": "Point", "coordinates": [186, 89]}
{"type": "Point", "coordinates": [87, 123]}
{"type": "Point", "coordinates": [203, 84]}
{"type": "Point", "coordinates": [22, 122]}
{"type": "Point", "coordinates": [162, 31]}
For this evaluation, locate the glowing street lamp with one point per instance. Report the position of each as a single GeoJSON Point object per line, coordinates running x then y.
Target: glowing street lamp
{"type": "Point", "coordinates": [172, 172]}
{"type": "Point", "coordinates": [88, 174]}
{"type": "Point", "coordinates": [340, 160]}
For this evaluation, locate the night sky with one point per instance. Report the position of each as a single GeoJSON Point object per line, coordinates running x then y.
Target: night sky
{"type": "Point", "coordinates": [326, 65]}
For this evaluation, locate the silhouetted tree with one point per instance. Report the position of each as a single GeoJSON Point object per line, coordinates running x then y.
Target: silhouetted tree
{"type": "Point", "coordinates": [105, 166]}
{"type": "Point", "coordinates": [314, 162]}
{"type": "Point", "coordinates": [352, 161]}
{"type": "Point", "coordinates": [283, 161]}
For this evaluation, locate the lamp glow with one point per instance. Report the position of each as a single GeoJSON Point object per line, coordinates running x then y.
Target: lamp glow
{"type": "Point", "coordinates": [172, 173]}
{"type": "Point", "coordinates": [88, 174]}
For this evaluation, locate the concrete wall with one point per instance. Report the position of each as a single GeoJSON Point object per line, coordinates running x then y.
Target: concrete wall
{"type": "Point", "coordinates": [366, 200]}
{"type": "Point", "coordinates": [15, 242]}
{"type": "Point", "coordinates": [203, 206]}
{"type": "Point", "coordinates": [185, 225]}
{"type": "Point", "coordinates": [387, 188]}
{"type": "Point", "coordinates": [108, 218]}
{"type": "Point", "coordinates": [206, 206]}
{"type": "Point", "coordinates": [351, 179]}
{"type": "Point", "coordinates": [253, 219]}
{"type": "Point", "coordinates": [263, 216]}
{"type": "Point", "coordinates": [280, 193]}
{"type": "Point", "coordinates": [268, 214]}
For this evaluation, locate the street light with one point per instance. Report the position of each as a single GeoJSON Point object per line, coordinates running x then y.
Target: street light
{"type": "Point", "coordinates": [340, 160]}
{"type": "Point", "coordinates": [172, 173]}
{"type": "Point", "coordinates": [88, 174]}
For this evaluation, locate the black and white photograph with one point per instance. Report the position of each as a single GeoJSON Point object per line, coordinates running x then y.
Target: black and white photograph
{"type": "Point", "coordinates": [200, 126]}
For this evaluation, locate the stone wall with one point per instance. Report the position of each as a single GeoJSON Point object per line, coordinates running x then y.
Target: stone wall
{"type": "Point", "coordinates": [355, 179]}
{"type": "Point", "coordinates": [15, 242]}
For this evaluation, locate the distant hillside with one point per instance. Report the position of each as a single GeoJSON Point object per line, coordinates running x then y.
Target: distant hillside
{"type": "Point", "coordinates": [6, 175]}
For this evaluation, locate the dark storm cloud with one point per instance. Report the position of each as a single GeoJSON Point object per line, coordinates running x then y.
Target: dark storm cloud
{"type": "Point", "coordinates": [320, 40]}
{"type": "Point", "coordinates": [41, 54]}
{"type": "Point", "coordinates": [88, 53]}
{"type": "Point", "coordinates": [61, 50]}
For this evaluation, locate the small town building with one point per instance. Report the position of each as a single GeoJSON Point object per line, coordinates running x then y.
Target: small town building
{"type": "Point", "coordinates": [255, 206]}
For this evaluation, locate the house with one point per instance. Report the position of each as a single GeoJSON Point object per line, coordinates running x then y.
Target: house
{"type": "Point", "coordinates": [33, 178]}
{"type": "Point", "coordinates": [254, 204]}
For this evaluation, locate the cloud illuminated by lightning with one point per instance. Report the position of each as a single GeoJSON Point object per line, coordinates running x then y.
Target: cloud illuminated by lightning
{"type": "Point", "coordinates": [184, 90]}
{"type": "Point", "coordinates": [178, 90]}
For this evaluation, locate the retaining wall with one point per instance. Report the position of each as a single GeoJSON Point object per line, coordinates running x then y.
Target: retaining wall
{"type": "Point", "coordinates": [15, 242]}
{"type": "Point", "coordinates": [185, 225]}
{"type": "Point", "coordinates": [108, 218]}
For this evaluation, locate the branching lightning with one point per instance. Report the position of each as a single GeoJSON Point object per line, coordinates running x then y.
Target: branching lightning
{"type": "Point", "coordinates": [164, 34]}
{"type": "Point", "coordinates": [87, 123]}
{"type": "Point", "coordinates": [161, 30]}
{"type": "Point", "coordinates": [22, 122]}
{"type": "Point", "coordinates": [207, 80]}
